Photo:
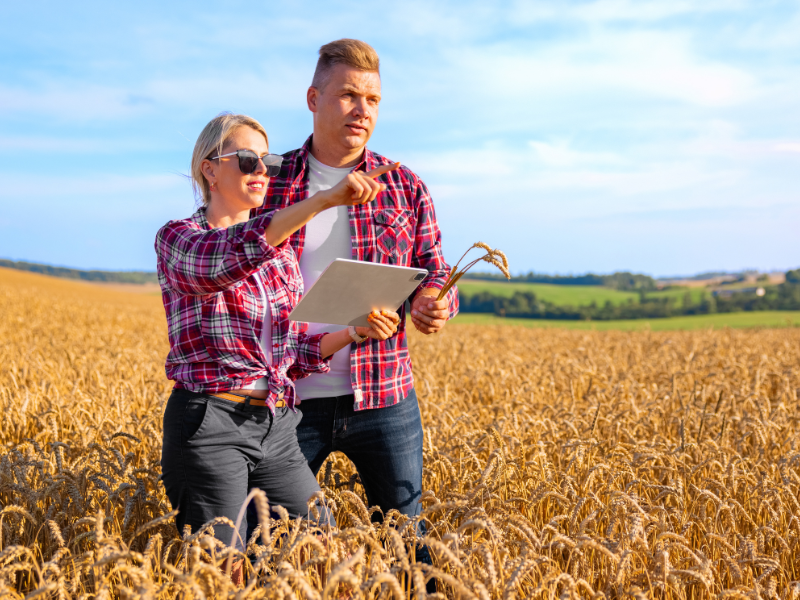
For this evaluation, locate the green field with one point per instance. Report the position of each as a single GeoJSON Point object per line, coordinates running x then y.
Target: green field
{"type": "Point", "coordinates": [773, 318]}
{"type": "Point", "coordinates": [574, 295]}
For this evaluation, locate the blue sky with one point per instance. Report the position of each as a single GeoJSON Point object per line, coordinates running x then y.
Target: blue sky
{"type": "Point", "coordinates": [656, 136]}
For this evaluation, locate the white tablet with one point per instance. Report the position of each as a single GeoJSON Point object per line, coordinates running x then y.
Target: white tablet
{"type": "Point", "coordinates": [348, 290]}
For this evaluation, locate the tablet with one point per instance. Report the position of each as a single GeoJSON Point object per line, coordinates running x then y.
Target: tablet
{"type": "Point", "coordinates": [348, 290]}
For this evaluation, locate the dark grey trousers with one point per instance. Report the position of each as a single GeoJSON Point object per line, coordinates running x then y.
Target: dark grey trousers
{"type": "Point", "coordinates": [215, 451]}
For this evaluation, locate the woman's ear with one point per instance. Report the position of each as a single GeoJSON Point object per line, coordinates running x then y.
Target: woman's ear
{"type": "Point", "coordinates": [209, 170]}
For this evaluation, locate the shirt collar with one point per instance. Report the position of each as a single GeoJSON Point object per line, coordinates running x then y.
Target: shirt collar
{"type": "Point", "coordinates": [199, 217]}
{"type": "Point", "coordinates": [367, 162]}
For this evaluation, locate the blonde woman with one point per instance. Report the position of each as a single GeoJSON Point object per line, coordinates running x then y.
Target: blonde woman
{"type": "Point", "coordinates": [228, 284]}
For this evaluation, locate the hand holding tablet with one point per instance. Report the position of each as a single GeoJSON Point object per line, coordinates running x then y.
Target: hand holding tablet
{"type": "Point", "coordinates": [349, 290]}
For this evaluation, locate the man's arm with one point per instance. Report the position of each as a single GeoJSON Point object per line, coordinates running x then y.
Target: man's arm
{"type": "Point", "coordinates": [428, 314]}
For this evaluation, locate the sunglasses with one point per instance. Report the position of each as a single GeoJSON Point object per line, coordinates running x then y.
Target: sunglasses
{"type": "Point", "coordinates": [248, 161]}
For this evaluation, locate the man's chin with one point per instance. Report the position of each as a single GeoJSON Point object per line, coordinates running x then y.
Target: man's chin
{"type": "Point", "coordinates": [355, 141]}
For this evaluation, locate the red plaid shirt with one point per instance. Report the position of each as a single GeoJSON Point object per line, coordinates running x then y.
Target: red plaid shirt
{"type": "Point", "coordinates": [398, 228]}
{"type": "Point", "coordinates": [213, 283]}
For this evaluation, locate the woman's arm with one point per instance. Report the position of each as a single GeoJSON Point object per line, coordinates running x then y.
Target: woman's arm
{"type": "Point", "coordinates": [314, 349]}
{"type": "Point", "coordinates": [383, 325]}
{"type": "Point", "coordinates": [356, 188]}
{"type": "Point", "coordinates": [197, 261]}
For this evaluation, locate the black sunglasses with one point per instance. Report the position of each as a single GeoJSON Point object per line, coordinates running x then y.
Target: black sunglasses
{"type": "Point", "coordinates": [248, 161]}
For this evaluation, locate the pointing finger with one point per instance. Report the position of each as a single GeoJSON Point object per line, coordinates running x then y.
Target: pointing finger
{"type": "Point", "coordinates": [381, 170]}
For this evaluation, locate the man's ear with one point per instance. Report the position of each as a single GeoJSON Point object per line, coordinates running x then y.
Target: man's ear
{"type": "Point", "coordinates": [312, 95]}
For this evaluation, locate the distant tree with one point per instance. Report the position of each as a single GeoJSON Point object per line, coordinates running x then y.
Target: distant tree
{"type": "Point", "coordinates": [617, 281]}
{"type": "Point", "coordinates": [785, 296]}
{"type": "Point", "coordinates": [687, 300]}
{"type": "Point", "coordinates": [67, 273]}
{"type": "Point", "coordinates": [629, 281]}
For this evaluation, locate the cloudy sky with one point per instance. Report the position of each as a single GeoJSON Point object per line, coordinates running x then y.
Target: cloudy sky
{"type": "Point", "coordinates": [656, 136]}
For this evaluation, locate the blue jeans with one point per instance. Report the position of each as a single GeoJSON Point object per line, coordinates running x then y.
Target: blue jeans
{"type": "Point", "coordinates": [385, 444]}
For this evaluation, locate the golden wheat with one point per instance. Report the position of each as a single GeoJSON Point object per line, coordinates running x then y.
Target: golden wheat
{"type": "Point", "coordinates": [493, 257]}
{"type": "Point", "coordinates": [557, 464]}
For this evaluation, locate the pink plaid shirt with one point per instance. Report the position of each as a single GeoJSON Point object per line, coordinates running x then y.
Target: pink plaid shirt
{"type": "Point", "coordinates": [213, 284]}
{"type": "Point", "coordinates": [398, 228]}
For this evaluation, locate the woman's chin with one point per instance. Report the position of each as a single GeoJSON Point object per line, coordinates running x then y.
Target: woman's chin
{"type": "Point", "coordinates": [254, 200]}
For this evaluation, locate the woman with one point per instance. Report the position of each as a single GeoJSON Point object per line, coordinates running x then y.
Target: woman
{"type": "Point", "coordinates": [228, 284]}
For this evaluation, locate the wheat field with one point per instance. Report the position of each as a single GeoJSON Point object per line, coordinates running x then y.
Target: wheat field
{"type": "Point", "coordinates": [558, 464]}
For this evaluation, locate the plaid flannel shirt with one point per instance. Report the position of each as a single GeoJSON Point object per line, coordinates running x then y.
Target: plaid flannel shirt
{"type": "Point", "coordinates": [398, 228]}
{"type": "Point", "coordinates": [211, 284]}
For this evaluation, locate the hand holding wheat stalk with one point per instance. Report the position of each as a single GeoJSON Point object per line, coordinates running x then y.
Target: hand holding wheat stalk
{"type": "Point", "coordinates": [494, 257]}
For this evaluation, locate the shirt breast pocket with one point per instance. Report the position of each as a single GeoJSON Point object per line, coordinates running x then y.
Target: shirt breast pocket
{"type": "Point", "coordinates": [393, 233]}
{"type": "Point", "coordinates": [291, 282]}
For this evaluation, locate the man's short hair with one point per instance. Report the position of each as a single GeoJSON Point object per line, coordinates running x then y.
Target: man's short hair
{"type": "Point", "coordinates": [353, 53]}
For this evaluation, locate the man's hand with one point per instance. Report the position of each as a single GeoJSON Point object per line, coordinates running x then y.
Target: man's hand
{"type": "Point", "coordinates": [428, 314]}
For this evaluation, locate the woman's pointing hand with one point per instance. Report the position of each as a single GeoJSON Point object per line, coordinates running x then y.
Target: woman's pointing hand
{"type": "Point", "coordinates": [358, 187]}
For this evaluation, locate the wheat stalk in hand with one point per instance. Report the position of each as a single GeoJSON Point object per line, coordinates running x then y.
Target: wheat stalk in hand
{"type": "Point", "coordinates": [494, 257]}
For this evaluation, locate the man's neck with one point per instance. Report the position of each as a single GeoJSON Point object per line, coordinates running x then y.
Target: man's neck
{"type": "Point", "coordinates": [331, 156]}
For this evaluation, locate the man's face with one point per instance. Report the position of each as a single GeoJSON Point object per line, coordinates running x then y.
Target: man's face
{"type": "Point", "coordinates": [346, 108]}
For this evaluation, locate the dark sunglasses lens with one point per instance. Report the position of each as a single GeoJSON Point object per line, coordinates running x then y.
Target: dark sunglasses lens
{"type": "Point", "coordinates": [273, 170]}
{"type": "Point", "coordinates": [248, 162]}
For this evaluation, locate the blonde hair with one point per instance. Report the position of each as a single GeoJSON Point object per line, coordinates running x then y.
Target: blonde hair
{"type": "Point", "coordinates": [211, 141]}
{"type": "Point", "coordinates": [353, 53]}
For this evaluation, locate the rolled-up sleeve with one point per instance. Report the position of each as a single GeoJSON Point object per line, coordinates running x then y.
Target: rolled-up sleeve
{"type": "Point", "coordinates": [309, 357]}
{"type": "Point", "coordinates": [428, 248]}
{"type": "Point", "coordinates": [197, 261]}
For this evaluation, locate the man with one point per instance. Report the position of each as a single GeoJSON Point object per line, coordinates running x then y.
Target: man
{"type": "Point", "coordinates": [365, 406]}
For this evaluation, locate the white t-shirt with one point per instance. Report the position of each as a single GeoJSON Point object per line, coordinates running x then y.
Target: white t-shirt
{"type": "Point", "coordinates": [327, 238]}
{"type": "Point", "coordinates": [266, 342]}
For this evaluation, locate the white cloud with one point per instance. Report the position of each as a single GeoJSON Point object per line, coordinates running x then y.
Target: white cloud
{"type": "Point", "coordinates": [94, 188]}
{"type": "Point", "coordinates": [73, 100]}
{"type": "Point", "coordinates": [647, 11]}
{"type": "Point", "coordinates": [792, 147]}
{"type": "Point", "coordinates": [643, 63]}
{"type": "Point", "coordinates": [771, 31]}
{"type": "Point", "coordinates": [53, 143]}
{"type": "Point", "coordinates": [560, 154]}
{"type": "Point", "coordinates": [520, 174]}
{"type": "Point", "coordinates": [282, 89]}
{"type": "Point", "coordinates": [715, 170]}
{"type": "Point", "coordinates": [720, 139]}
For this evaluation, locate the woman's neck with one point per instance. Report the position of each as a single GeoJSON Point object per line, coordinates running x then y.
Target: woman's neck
{"type": "Point", "coordinates": [220, 216]}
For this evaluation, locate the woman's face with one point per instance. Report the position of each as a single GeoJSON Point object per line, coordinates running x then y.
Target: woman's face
{"type": "Point", "coordinates": [237, 190]}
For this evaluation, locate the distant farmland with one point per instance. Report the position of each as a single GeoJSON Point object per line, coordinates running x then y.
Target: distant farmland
{"type": "Point", "coordinates": [740, 320]}
{"type": "Point", "coordinates": [573, 295]}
